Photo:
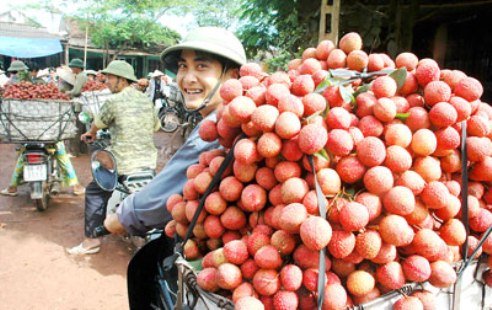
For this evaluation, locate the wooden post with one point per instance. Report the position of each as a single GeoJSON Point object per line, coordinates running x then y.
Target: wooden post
{"type": "Point", "coordinates": [85, 45]}
{"type": "Point", "coordinates": [329, 20]}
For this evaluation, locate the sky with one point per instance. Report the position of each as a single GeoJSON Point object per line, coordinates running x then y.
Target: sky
{"type": "Point", "coordinates": [46, 20]}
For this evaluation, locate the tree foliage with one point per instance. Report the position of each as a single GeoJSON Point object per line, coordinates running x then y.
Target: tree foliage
{"type": "Point", "coordinates": [121, 24]}
{"type": "Point", "coordinates": [281, 28]}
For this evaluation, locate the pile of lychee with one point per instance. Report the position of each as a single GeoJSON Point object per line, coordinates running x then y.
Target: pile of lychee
{"type": "Point", "coordinates": [386, 152]}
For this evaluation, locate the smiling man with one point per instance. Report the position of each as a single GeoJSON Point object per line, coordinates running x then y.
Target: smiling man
{"type": "Point", "coordinates": [205, 58]}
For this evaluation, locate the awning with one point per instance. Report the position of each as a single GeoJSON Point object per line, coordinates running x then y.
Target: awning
{"type": "Point", "coordinates": [29, 47]}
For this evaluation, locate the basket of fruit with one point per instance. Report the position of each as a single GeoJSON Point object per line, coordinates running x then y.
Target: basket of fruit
{"type": "Point", "coordinates": [93, 99]}
{"type": "Point", "coordinates": [364, 182]}
{"type": "Point", "coordinates": [30, 112]}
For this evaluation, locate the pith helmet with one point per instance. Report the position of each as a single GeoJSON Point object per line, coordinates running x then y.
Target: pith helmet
{"type": "Point", "coordinates": [213, 40]}
{"type": "Point", "coordinates": [90, 72]}
{"type": "Point", "coordinates": [121, 68]}
{"type": "Point", "coordinates": [17, 65]}
{"type": "Point", "coordinates": [76, 63]}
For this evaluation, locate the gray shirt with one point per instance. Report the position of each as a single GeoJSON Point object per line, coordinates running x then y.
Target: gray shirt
{"type": "Point", "coordinates": [145, 210]}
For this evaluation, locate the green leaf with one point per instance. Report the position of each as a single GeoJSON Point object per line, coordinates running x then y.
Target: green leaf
{"type": "Point", "coordinates": [346, 94]}
{"type": "Point", "coordinates": [362, 89]}
{"type": "Point", "coordinates": [322, 154]}
{"type": "Point", "coordinates": [399, 76]}
{"type": "Point", "coordinates": [402, 116]}
{"type": "Point", "coordinates": [327, 82]}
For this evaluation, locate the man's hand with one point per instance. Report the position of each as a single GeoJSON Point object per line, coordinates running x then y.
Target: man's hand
{"type": "Point", "coordinates": [113, 225]}
{"type": "Point", "coordinates": [87, 137]}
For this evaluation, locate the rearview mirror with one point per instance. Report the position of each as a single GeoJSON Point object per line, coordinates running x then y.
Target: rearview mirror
{"type": "Point", "coordinates": [104, 172]}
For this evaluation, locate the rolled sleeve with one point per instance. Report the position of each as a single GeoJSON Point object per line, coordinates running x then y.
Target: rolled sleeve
{"type": "Point", "coordinates": [146, 209]}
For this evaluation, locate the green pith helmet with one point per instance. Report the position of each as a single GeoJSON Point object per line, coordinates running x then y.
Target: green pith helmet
{"type": "Point", "coordinates": [213, 40]}
{"type": "Point", "coordinates": [17, 65]}
{"type": "Point", "coordinates": [121, 68]}
{"type": "Point", "coordinates": [90, 72]}
{"type": "Point", "coordinates": [76, 63]}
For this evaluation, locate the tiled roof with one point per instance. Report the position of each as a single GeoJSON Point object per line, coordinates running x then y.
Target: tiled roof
{"type": "Point", "coordinates": [24, 31]}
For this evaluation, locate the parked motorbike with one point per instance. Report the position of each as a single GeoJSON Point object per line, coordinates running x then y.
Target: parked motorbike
{"type": "Point", "coordinates": [41, 172]}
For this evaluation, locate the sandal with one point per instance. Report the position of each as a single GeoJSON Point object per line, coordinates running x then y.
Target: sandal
{"type": "Point", "coordinates": [80, 250]}
{"type": "Point", "coordinates": [5, 192]}
{"type": "Point", "coordinates": [78, 190]}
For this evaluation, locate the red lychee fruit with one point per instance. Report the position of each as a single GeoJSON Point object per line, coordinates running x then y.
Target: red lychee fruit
{"type": "Point", "coordinates": [265, 116]}
{"type": "Point", "coordinates": [341, 244]}
{"type": "Point", "coordinates": [291, 277]}
{"type": "Point", "coordinates": [407, 60]}
{"type": "Point", "coordinates": [469, 88]}
{"type": "Point", "coordinates": [436, 91]}
{"type": "Point", "coordinates": [302, 85]}
{"type": "Point", "coordinates": [407, 303]}
{"type": "Point", "coordinates": [231, 89]}
{"type": "Point", "coordinates": [236, 252]}
{"type": "Point", "coordinates": [267, 257]}
{"type": "Point", "coordinates": [340, 142]}
{"type": "Point", "coordinates": [368, 244]}
{"type": "Point", "coordinates": [335, 297]}
{"type": "Point", "coordinates": [371, 151]}
{"type": "Point", "coordinates": [312, 138]}
{"type": "Point", "coordinates": [378, 180]}
{"type": "Point", "coordinates": [350, 41]}
{"type": "Point", "coordinates": [228, 276]}
{"type": "Point", "coordinates": [442, 275]}
{"type": "Point", "coordinates": [394, 229]}
{"type": "Point", "coordinates": [391, 275]}
{"type": "Point", "coordinates": [338, 118]}
{"type": "Point", "coordinates": [427, 71]}
{"type": "Point", "coordinates": [360, 283]}
{"type": "Point", "coordinates": [315, 233]}
{"type": "Point", "coordinates": [283, 241]}
{"type": "Point", "coordinates": [416, 268]}
{"type": "Point", "coordinates": [207, 279]}
{"type": "Point", "coordinates": [353, 216]}
{"type": "Point", "coordinates": [266, 282]}
{"type": "Point", "coordinates": [287, 125]}
{"type": "Point", "coordinates": [293, 215]}
{"type": "Point", "coordinates": [384, 86]}
{"type": "Point", "coordinates": [399, 200]}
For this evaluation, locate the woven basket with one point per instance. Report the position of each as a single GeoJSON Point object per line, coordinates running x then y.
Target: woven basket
{"type": "Point", "coordinates": [36, 120]}
{"type": "Point", "coordinates": [92, 101]}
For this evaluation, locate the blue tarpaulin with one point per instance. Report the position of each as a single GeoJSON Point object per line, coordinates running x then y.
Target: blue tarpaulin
{"type": "Point", "coordinates": [29, 47]}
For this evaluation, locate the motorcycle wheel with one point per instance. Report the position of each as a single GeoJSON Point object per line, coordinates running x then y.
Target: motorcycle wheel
{"type": "Point", "coordinates": [42, 203]}
{"type": "Point", "coordinates": [169, 121]}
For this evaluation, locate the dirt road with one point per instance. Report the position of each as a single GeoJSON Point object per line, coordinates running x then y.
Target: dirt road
{"type": "Point", "coordinates": [35, 270]}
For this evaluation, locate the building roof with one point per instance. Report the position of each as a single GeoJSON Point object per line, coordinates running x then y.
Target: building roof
{"type": "Point", "coordinates": [24, 31]}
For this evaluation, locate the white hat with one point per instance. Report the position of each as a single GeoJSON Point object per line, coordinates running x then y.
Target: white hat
{"type": "Point", "coordinates": [156, 73]}
{"type": "Point", "coordinates": [66, 75]}
{"type": "Point", "coordinates": [44, 72]}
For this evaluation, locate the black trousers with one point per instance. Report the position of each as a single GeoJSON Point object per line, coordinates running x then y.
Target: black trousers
{"type": "Point", "coordinates": [96, 200]}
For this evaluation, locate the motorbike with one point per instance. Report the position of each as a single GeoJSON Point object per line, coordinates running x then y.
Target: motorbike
{"type": "Point", "coordinates": [105, 172]}
{"type": "Point", "coordinates": [41, 172]}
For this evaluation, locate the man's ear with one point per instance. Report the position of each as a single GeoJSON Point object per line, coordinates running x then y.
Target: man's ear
{"type": "Point", "coordinates": [232, 73]}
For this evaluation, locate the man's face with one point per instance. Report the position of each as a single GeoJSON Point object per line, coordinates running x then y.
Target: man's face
{"type": "Point", "coordinates": [114, 83]}
{"type": "Point", "coordinates": [76, 70]}
{"type": "Point", "coordinates": [197, 76]}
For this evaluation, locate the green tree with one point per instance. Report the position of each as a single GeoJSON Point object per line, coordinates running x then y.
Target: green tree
{"type": "Point", "coordinates": [282, 28]}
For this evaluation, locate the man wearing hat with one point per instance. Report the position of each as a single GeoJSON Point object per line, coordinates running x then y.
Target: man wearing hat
{"type": "Point", "coordinates": [18, 72]}
{"type": "Point", "coordinates": [91, 75]}
{"type": "Point", "coordinates": [154, 89]}
{"type": "Point", "coordinates": [131, 119]}
{"type": "Point", "coordinates": [77, 66]}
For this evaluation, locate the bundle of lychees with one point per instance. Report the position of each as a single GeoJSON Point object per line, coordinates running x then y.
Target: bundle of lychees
{"type": "Point", "coordinates": [387, 158]}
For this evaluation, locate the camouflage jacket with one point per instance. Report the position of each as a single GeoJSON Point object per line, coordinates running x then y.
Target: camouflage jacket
{"type": "Point", "coordinates": [132, 121]}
